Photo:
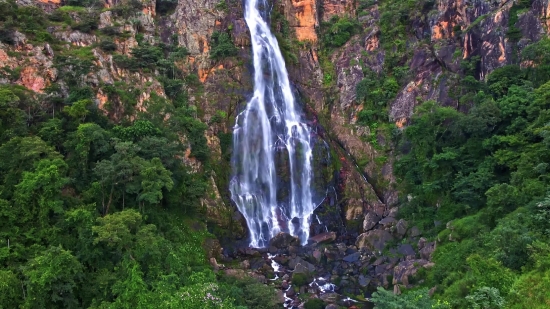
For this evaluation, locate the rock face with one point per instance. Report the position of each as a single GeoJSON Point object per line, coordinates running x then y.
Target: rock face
{"type": "Point", "coordinates": [302, 17]}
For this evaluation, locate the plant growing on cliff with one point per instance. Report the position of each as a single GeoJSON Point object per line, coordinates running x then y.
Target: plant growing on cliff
{"type": "Point", "coordinates": [222, 46]}
{"type": "Point", "coordinates": [339, 31]}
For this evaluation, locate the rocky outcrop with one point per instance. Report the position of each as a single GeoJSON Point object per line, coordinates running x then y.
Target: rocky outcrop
{"type": "Point", "coordinates": [34, 63]}
{"type": "Point", "coordinates": [302, 17]}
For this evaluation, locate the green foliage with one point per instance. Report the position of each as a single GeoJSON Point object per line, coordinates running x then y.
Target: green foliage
{"type": "Point", "coordinates": [300, 279]}
{"type": "Point", "coordinates": [107, 45]}
{"type": "Point", "coordinates": [51, 279]}
{"type": "Point", "coordinates": [339, 31]}
{"type": "Point", "coordinates": [221, 46]}
{"type": "Point", "coordinates": [486, 298]}
{"type": "Point", "coordinates": [417, 299]}
{"type": "Point", "coordinates": [481, 175]}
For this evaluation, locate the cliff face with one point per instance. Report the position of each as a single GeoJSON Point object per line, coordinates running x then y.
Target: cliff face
{"type": "Point", "coordinates": [437, 37]}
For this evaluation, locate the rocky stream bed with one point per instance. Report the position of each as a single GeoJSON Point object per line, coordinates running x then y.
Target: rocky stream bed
{"type": "Point", "coordinates": [340, 275]}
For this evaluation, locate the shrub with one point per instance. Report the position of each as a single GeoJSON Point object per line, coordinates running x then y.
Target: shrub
{"type": "Point", "coordinates": [107, 45]}
{"type": "Point", "coordinates": [339, 31]}
{"type": "Point", "coordinates": [222, 46]}
{"type": "Point", "coordinates": [299, 279]}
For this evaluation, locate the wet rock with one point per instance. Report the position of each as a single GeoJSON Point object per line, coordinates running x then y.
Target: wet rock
{"type": "Point", "coordinates": [317, 255]}
{"type": "Point", "coordinates": [329, 297]}
{"type": "Point", "coordinates": [373, 240]}
{"type": "Point", "coordinates": [280, 297]}
{"type": "Point", "coordinates": [371, 219]}
{"type": "Point", "coordinates": [323, 238]}
{"type": "Point", "coordinates": [354, 257]}
{"type": "Point", "coordinates": [290, 293]}
{"type": "Point", "coordinates": [301, 266]}
{"type": "Point", "coordinates": [283, 240]}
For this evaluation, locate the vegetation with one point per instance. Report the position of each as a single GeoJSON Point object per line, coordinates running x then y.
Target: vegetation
{"type": "Point", "coordinates": [97, 207]}
{"type": "Point", "coordinates": [485, 172]}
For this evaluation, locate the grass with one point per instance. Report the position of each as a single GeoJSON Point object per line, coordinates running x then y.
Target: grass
{"type": "Point", "coordinates": [70, 8]}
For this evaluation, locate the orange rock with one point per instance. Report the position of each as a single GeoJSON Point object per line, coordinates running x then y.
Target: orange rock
{"type": "Point", "coordinates": [372, 43]}
{"type": "Point", "coordinates": [31, 80]}
{"type": "Point", "coordinates": [305, 13]}
{"type": "Point", "coordinates": [50, 1]}
{"type": "Point", "coordinates": [401, 122]}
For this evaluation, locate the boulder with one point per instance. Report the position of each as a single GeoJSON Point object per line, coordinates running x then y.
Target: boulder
{"type": "Point", "coordinates": [427, 250]}
{"type": "Point", "coordinates": [354, 257]}
{"type": "Point", "coordinates": [406, 249]}
{"type": "Point", "coordinates": [371, 219]}
{"type": "Point", "coordinates": [329, 297]}
{"type": "Point", "coordinates": [401, 227]}
{"type": "Point", "coordinates": [388, 221]}
{"type": "Point", "coordinates": [323, 238]}
{"type": "Point", "coordinates": [301, 266]}
{"type": "Point", "coordinates": [283, 240]}
{"type": "Point", "coordinates": [373, 240]}
{"type": "Point", "coordinates": [317, 255]}
{"type": "Point", "coordinates": [364, 281]}
{"type": "Point", "coordinates": [407, 269]}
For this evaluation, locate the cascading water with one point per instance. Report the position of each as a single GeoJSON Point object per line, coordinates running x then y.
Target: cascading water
{"type": "Point", "coordinates": [270, 136]}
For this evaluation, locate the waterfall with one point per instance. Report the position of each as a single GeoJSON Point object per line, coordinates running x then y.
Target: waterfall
{"type": "Point", "coordinates": [271, 136]}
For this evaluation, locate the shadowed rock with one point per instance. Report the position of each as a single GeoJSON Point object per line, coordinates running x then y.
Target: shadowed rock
{"type": "Point", "coordinates": [373, 240]}
{"type": "Point", "coordinates": [323, 238]}
{"type": "Point", "coordinates": [283, 240]}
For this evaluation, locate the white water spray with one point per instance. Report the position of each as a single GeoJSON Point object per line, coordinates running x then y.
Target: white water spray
{"type": "Point", "coordinates": [269, 136]}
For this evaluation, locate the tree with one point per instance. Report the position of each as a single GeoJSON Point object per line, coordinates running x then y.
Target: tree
{"type": "Point", "coordinates": [486, 298]}
{"type": "Point", "coordinates": [51, 279]}
{"type": "Point", "coordinates": [154, 178]}
{"type": "Point", "coordinates": [79, 109]}
{"type": "Point", "coordinates": [10, 290]}
{"type": "Point", "coordinates": [18, 155]}
{"type": "Point", "coordinates": [38, 196]}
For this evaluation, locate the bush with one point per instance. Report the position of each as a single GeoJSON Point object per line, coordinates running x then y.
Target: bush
{"type": "Point", "coordinates": [110, 31]}
{"type": "Point", "coordinates": [107, 45]}
{"type": "Point", "coordinates": [222, 46]}
{"type": "Point", "coordinates": [87, 24]}
{"type": "Point", "coordinates": [339, 31]}
{"type": "Point", "coordinates": [299, 279]}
